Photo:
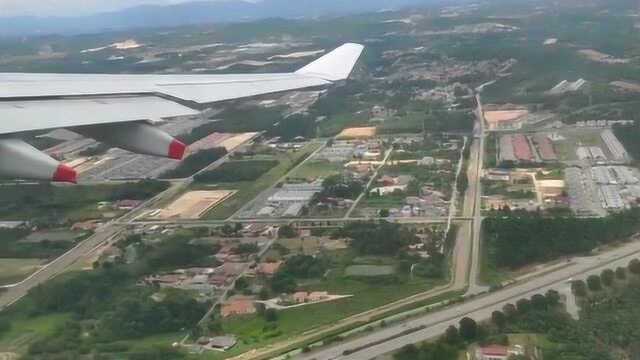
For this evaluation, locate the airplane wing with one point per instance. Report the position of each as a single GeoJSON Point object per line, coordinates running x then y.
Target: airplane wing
{"type": "Point", "coordinates": [114, 108]}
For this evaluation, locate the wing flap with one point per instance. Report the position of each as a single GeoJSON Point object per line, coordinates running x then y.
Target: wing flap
{"type": "Point", "coordinates": [211, 92]}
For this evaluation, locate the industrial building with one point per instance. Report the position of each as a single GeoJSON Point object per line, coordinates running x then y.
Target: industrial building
{"type": "Point", "coordinates": [610, 197]}
{"type": "Point", "coordinates": [544, 147]}
{"type": "Point", "coordinates": [506, 149]}
{"type": "Point", "coordinates": [592, 153]}
{"type": "Point", "coordinates": [615, 147]}
{"type": "Point", "coordinates": [567, 86]}
{"type": "Point", "coordinates": [613, 175]}
{"type": "Point", "coordinates": [521, 148]}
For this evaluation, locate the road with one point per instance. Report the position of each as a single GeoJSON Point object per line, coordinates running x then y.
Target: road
{"type": "Point", "coordinates": [105, 233]}
{"type": "Point", "coordinates": [301, 221]}
{"type": "Point", "coordinates": [434, 324]}
{"type": "Point", "coordinates": [263, 194]}
{"type": "Point", "coordinates": [15, 292]}
{"type": "Point", "coordinates": [473, 203]}
{"type": "Point", "coordinates": [368, 186]}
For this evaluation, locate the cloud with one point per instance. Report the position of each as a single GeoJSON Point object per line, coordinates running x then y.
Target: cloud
{"type": "Point", "coordinates": [70, 7]}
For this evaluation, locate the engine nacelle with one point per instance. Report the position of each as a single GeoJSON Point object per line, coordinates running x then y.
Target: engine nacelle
{"type": "Point", "coordinates": [21, 160]}
{"type": "Point", "coordinates": [136, 137]}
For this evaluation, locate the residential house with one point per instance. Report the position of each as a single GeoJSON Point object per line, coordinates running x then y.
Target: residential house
{"type": "Point", "coordinates": [238, 306]}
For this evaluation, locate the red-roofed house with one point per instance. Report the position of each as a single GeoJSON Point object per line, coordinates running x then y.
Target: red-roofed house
{"type": "Point", "coordinates": [497, 352]}
{"type": "Point", "coordinates": [243, 306]}
{"type": "Point", "coordinates": [268, 268]}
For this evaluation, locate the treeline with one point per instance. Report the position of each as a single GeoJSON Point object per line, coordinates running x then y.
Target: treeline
{"type": "Point", "coordinates": [45, 204]}
{"type": "Point", "coordinates": [607, 328]}
{"type": "Point", "coordinates": [298, 267]}
{"type": "Point", "coordinates": [377, 238]}
{"type": "Point", "coordinates": [234, 171]}
{"type": "Point", "coordinates": [338, 186]}
{"type": "Point", "coordinates": [195, 163]}
{"type": "Point", "coordinates": [237, 119]}
{"type": "Point", "coordinates": [522, 238]}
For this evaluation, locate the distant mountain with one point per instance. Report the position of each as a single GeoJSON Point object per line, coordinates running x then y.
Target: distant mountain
{"type": "Point", "coordinates": [198, 12]}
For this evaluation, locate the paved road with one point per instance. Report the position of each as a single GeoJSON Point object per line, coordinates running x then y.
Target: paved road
{"type": "Point", "coordinates": [262, 197]}
{"type": "Point", "coordinates": [432, 325]}
{"type": "Point", "coordinates": [474, 201]}
{"type": "Point", "coordinates": [303, 221]}
{"type": "Point", "coordinates": [367, 187]}
{"type": "Point", "coordinates": [59, 265]}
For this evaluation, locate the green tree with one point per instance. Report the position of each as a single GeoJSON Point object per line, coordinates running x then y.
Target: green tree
{"type": "Point", "coordinates": [539, 302]}
{"type": "Point", "coordinates": [523, 306]}
{"type": "Point", "coordinates": [634, 267]}
{"type": "Point", "coordinates": [287, 232]}
{"type": "Point", "coordinates": [283, 282]}
{"type": "Point", "coordinates": [510, 311]}
{"type": "Point", "coordinates": [499, 319]}
{"type": "Point", "coordinates": [579, 288]}
{"type": "Point", "coordinates": [271, 315]}
{"type": "Point", "coordinates": [593, 283]}
{"type": "Point", "coordinates": [264, 294]}
{"type": "Point", "coordinates": [382, 238]}
{"type": "Point", "coordinates": [407, 352]}
{"type": "Point", "coordinates": [608, 277]}
{"type": "Point", "coordinates": [451, 335]}
{"type": "Point", "coordinates": [468, 328]}
{"type": "Point", "coordinates": [553, 298]}
{"type": "Point", "coordinates": [5, 325]}
{"type": "Point", "coordinates": [621, 273]}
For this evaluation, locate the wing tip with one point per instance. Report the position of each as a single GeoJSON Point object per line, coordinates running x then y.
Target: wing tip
{"type": "Point", "coordinates": [336, 65]}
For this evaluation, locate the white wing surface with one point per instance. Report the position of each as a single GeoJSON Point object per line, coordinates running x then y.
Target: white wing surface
{"type": "Point", "coordinates": [102, 104]}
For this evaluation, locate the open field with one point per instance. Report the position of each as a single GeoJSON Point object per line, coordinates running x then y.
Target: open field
{"type": "Point", "coordinates": [504, 115]}
{"type": "Point", "coordinates": [14, 270]}
{"type": "Point", "coordinates": [250, 329]}
{"type": "Point", "coordinates": [369, 270]}
{"type": "Point", "coordinates": [246, 190]}
{"type": "Point", "coordinates": [566, 149]}
{"type": "Point", "coordinates": [316, 169]}
{"type": "Point", "coordinates": [357, 133]}
{"type": "Point", "coordinates": [25, 330]}
{"type": "Point", "coordinates": [193, 204]}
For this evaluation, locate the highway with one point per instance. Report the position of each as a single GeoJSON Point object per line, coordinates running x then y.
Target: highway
{"type": "Point", "coordinates": [479, 308]}
{"type": "Point", "coordinates": [15, 292]}
{"type": "Point", "coordinates": [474, 201]}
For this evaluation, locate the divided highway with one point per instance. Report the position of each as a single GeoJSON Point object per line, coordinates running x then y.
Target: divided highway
{"type": "Point", "coordinates": [480, 308]}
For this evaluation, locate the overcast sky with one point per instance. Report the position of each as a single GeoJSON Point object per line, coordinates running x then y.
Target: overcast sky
{"type": "Point", "coordinates": [71, 7]}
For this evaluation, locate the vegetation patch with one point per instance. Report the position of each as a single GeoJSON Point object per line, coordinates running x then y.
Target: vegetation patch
{"type": "Point", "coordinates": [234, 171]}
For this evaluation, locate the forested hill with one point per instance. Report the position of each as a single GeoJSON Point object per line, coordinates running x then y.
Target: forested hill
{"type": "Point", "coordinates": [197, 12]}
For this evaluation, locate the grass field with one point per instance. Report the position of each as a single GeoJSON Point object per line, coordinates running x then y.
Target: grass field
{"type": "Point", "coordinates": [335, 124]}
{"type": "Point", "coordinates": [316, 169]}
{"type": "Point", "coordinates": [383, 202]}
{"type": "Point", "coordinates": [25, 330]}
{"type": "Point", "coordinates": [250, 189]}
{"type": "Point", "coordinates": [14, 270]}
{"type": "Point", "coordinates": [489, 272]}
{"type": "Point", "coordinates": [566, 149]}
{"type": "Point", "coordinates": [253, 331]}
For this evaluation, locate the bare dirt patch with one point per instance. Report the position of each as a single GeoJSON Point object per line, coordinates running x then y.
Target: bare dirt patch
{"type": "Point", "coordinates": [194, 204]}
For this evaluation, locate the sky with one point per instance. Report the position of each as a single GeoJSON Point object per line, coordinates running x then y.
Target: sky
{"type": "Point", "coordinates": [72, 7]}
